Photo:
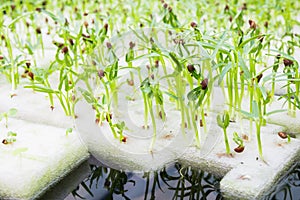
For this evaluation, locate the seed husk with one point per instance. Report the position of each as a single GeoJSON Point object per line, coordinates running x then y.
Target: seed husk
{"type": "Point", "coordinates": [283, 135]}
{"type": "Point", "coordinates": [191, 68]}
{"type": "Point", "coordinates": [65, 50]}
{"type": "Point", "coordinates": [101, 73]}
{"type": "Point", "coordinates": [31, 75]}
{"type": "Point", "coordinates": [194, 25]}
{"type": "Point", "coordinates": [204, 84]}
{"type": "Point", "coordinates": [287, 62]}
{"type": "Point", "coordinates": [239, 149]}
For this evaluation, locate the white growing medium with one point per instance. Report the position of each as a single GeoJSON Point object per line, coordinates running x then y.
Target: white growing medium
{"type": "Point", "coordinates": [33, 106]}
{"type": "Point", "coordinates": [40, 156]}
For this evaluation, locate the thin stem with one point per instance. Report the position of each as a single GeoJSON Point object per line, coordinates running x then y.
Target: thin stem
{"type": "Point", "coordinates": [226, 142]}
{"type": "Point", "coordinates": [259, 140]}
{"type": "Point", "coordinates": [153, 123]}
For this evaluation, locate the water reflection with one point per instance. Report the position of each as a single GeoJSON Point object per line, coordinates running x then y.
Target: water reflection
{"type": "Point", "coordinates": [173, 182]}
{"type": "Point", "coordinates": [289, 187]}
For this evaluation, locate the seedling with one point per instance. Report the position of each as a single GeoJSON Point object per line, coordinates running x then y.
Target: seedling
{"type": "Point", "coordinates": [10, 139]}
{"type": "Point", "coordinates": [285, 135]}
{"type": "Point", "coordinates": [223, 122]}
{"type": "Point", "coordinates": [68, 131]}
{"type": "Point", "coordinates": [239, 141]}
{"type": "Point", "coordinates": [10, 113]}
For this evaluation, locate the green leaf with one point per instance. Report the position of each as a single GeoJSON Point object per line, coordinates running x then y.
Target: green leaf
{"type": "Point", "coordinates": [250, 39]}
{"type": "Point", "coordinates": [18, 151]}
{"type": "Point", "coordinates": [51, 15]}
{"type": "Point", "coordinates": [275, 111]}
{"type": "Point", "coordinates": [69, 130]}
{"type": "Point", "coordinates": [175, 59]}
{"type": "Point", "coordinates": [224, 71]}
{"type": "Point", "coordinates": [226, 119]}
{"type": "Point", "coordinates": [219, 121]}
{"type": "Point", "coordinates": [255, 109]}
{"type": "Point", "coordinates": [245, 69]}
{"type": "Point", "coordinates": [219, 45]}
{"type": "Point", "coordinates": [194, 94]}
{"type": "Point", "coordinates": [285, 55]}
{"type": "Point", "coordinates": [12, 23]}
{"type": "Point", "coordinates": [237, 139]}
{"type": "Point", "coordinates": [11, 134]}
{"type": "Point", "coordinates": [12, 112]}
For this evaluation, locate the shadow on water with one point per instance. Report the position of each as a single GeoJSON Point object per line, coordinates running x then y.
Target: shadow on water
{"type": "Point", "coordinates": [173, 182]}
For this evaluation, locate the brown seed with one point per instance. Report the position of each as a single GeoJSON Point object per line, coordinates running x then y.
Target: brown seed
{"type": "Point", "coordinates": [261, 39]}
{"type": "Point", "coordinates": [162, 114]}
{"type": "Point", "coordinates": [31, 75]}
{"type": "Point", "coordinates": [1, 57]}
{"type": "Point", "coordinates": [86, 24]}
{"type": "Point", "coordinates": [201, 123]}
{"type": "Point", "coordinates": [245, 137]}
{"type": "Point", "coordinates": [105, 26]}
{"type": "Point", "coordinates": [101, 73]}
{"type": "Point", "coordinates": [283, 135]}
{"type": "Point", "coordinates": [130, 82]}
{"type": "Point", "coordinates": [191, 68]}
{"type": "Point", "coordinates": [239, 149]}
{"type": "Point", "coordinates": [46, 20]}
{"type": "Point", "coordinates": [194, 25]}
{"type": "Point", "coordinates": [244, 7]}
{"type": "Point", "coordinates": [108, 45]}
{"type": "Point", "coordinates": [64, 50]}
{"type": "Point", "coordinates": [259, 77]}
{"type": "Point", "coordinates": [71, 42]}
{"type": "Point", "coordinates": [170, 9]}
{"type": "Point", "coordinates": [230, 18]}
{"type": "Point", "coordinates": [4, 141]}
{"type": "Point", "coordinates": [124, 139]}
{"type": "Point", "coordinates": [38, 9]}
{"type": "Point", "coordinates": [204, 84]}
{"type": "Point", "coordinates": [226, 8]}
{"type": "Point", "coordinates": [38, 30]}
{"type": "Point", "coordinates": [28, 64]}
{"type": "Point", "coordinates": [109, 117]}
{"type": "Point", "coordinates": [156, 63]}
{"type": "Point", "coordinates": [287, 62]}
{"type": "Point", "coordinates": [131, 45]}
{"type": "Point", "coordinates": [85, 36]}
{"type": "Point", "coordinates": [165, 5]}
{"type": "Point", "coordinates": [52, 108]}
{"type": "Point", "coordinates": [13, 7]}
{"type": "Point", "coordinates": [266, 24]}
{"type": "Point", "coordinates": [85, 14]}
{"type": "Point", "coordinates": [252, 24]}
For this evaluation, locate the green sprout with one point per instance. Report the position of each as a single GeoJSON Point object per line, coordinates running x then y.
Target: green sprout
{"type": "Point", "coordinates": [223, 122]}
{"type": "Point", "coordinates": [10, 113]}
{"type": "Point", "coordinates": [68, 131]}
{"type": "Point", "coordinates": [239, 141]}
{"type": "Point", "coordinates": [10, 139]}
